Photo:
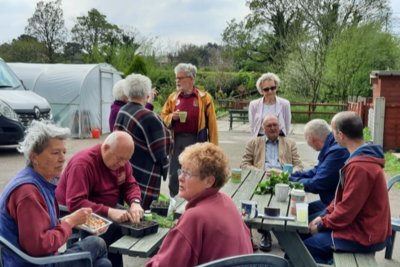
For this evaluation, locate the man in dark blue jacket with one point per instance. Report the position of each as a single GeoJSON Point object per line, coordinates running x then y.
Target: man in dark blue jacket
{"type": "Point", "coordinates": [324, 177]}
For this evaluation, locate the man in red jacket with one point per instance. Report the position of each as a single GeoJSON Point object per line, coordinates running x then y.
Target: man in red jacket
{"type": "Point", "coordinates": [358, 219]}
{"type": "Point", "coordinates": [96, 178]}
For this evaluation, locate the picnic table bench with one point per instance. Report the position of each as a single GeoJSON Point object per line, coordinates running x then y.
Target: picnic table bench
{"type": "Point", "coordinates": [241, 115]}
{"type": "Point", "coordinates": [346, 259]}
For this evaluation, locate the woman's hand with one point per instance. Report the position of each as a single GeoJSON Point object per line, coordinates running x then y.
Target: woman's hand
{"type": "Point", "coordinates": [78, 217]}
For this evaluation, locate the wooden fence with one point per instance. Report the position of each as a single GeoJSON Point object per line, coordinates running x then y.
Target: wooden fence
{"type": "Point", "coordinates": [308, 109]}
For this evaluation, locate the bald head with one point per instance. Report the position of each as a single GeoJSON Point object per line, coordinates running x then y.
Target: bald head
{"type": "Point", "coordinates": [271, 127]}
{"type": "Point", "coordinates": [117, 149]}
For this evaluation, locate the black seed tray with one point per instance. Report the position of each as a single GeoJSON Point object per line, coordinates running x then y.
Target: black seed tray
{"type": "Point", "coordinates": [139, 229]}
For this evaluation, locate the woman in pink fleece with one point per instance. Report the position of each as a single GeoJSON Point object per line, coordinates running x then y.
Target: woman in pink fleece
{"type": "Point", "coordinates": [211, 226]}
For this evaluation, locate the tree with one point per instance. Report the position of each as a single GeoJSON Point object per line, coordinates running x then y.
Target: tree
{"type": "Point", "coordinates": [353, 55]}
{"type": "Point", "coordinates": [47, 25]}
{"type": "Point", "coordinates": [264, 38]}
{"type": "Point", "coordinates": [24, 49]}
{"type": "Point", "coordinates": [94, 33]}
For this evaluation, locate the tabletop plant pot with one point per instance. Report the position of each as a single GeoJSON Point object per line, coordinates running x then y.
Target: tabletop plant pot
{"type": "Point", "coordinates": [160, 207]}
{"type": "Point", "coordinates": [139, 229]}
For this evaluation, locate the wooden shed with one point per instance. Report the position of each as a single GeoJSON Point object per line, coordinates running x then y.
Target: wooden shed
{"type": "Point", "coordinates": [387, 84]}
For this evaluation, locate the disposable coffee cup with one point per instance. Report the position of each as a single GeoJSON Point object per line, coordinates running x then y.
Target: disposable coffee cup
{"type": "Point", "coordinates": [296, 196]}
{"type": "Point", "coordinates": [249, 209]}
{"type": "Point", "coordinates": [281, 192]}
{"type": "Point", "coordinates": [302, 212]}
{"type": "Point", "coordinates": [236, 175]}
{"type": "Point", "coordinates": [182, 116]}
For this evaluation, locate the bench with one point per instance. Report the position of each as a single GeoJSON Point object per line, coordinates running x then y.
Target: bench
{"type": "Point", "coordinates": [241, 115]}
{"type": "Point", "coordinates": [346, 259]}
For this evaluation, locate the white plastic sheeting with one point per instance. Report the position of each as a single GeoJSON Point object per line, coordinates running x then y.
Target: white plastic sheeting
{"type": "Point", "coordinates": [80, 95]}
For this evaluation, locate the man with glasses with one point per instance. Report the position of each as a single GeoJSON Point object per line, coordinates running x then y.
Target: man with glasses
{"type": "Point", "coordinates": [269, 153]}
{"type": "Point", "coordinates": [189, 113]}
{"type": "Point", "coordinates": [267, 85]}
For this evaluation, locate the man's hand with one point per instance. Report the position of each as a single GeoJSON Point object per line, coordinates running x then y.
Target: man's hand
{"type": "Point", "coordinates": [136, 212]}
{"type": "Point", "coordinates": [313, 226]}
{"type": "Point", "coordinates": [175, 115]}
{"type": "Point", "coordinates": [118, 215]}
{"type": "Point", "coordinates": [78, 217]}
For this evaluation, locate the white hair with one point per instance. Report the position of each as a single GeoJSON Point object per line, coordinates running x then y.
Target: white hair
{"type": "Point", "coordinates": [269, 76]}
{"type": "Point", "coordinates": [189, 69]}
{"type": "Point", "coordinates": [137, 86]}
{"type": "Point", "coordinates": [318, 128]}
{"type": "Point", "coordinates": [118, 90]}
{"type": "Point", "coordinates": [37, 138]}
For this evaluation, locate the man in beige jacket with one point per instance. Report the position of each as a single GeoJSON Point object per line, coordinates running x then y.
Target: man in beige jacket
{"type": "Point", "coordinates": [268, 153]}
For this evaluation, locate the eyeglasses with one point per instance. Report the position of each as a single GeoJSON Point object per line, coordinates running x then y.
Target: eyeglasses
{"type": "Point", "coordinates": [185, 174]}
{"type": "Point", "coordinates": [181, 78]}
{"type": "Point", "coordinates": [267, 89]}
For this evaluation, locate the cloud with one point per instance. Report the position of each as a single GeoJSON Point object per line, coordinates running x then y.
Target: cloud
{"type": "Point", "coordinates": [183, 21]}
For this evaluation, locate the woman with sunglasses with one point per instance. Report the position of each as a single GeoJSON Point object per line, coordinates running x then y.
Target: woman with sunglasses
{"type": "Point", "coordinates": [269, 104]}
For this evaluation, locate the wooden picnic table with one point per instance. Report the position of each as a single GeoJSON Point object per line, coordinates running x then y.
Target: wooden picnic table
{"type": "Point", "coordinates": [287, 232]}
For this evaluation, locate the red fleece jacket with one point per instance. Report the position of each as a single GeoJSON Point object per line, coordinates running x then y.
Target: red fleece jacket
{"type": "Point", "coordinates": [360, 211]}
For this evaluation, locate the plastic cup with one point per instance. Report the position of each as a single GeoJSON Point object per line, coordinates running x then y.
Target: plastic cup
{"type": "Point", "coordinates": [236, 176]}
{"type": "Point", "coordinates": [302, 212]}
{"type": "Point", "coordinates": [182, 116]}
{"type": "Point", "coordinates": [281, 192]}
{"type": "Point", "coordinates": [296, 196]}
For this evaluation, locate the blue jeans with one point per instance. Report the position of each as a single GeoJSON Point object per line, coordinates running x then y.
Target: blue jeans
{"type": "Point", "coordinates": [321, 246]}
{"type": "Point", "coordinates": [98, 252]}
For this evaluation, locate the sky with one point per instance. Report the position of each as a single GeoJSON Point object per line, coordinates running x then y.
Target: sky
{"type": "Point", "coordinates": [170, 22]}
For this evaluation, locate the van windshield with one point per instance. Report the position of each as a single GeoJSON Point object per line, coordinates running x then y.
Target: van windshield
{"type": "Point", "coordinates": [8, 80]}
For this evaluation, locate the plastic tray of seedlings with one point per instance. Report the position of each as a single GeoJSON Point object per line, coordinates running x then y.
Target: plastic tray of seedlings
{"type": "Point", "coordinates": [95, 224]}
{"type": "Point", "coordinates": [139, 229]}
{"type": "Point", "coordinates": [160, 207]}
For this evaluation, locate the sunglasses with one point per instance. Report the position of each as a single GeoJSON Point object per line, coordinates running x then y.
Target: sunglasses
{"type": "Point", "coordinates": [266, 89]}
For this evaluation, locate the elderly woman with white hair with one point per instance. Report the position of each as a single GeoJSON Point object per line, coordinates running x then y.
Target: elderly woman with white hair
{"type": "Point", "coordinates": [120, 100]}
{"type": "Point", "coordinates": [28, 208]}
{"type": "Point", "coordinates": [152, 138]}
{"type": "Point", "coordinates": [269, 104]}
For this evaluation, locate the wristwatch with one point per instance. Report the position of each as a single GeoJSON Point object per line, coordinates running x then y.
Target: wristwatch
{"type": "Point", "coordinates": [137, 201]}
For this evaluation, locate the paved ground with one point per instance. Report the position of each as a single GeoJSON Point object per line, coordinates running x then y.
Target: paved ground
{"type": "Point", "coordinates": [233, 143]}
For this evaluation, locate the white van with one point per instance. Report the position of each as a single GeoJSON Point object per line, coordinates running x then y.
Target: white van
{"type": "Point", "coordinates": [18, 107]}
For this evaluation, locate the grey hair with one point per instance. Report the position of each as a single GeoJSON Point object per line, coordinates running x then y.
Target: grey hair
{"type": "Point", "coordinates": [118, 90]}
{"type": "Point", "coordinates": [269, 76]}
{"type": "Point", "coordinates": [318, 128]}
{"type": "Point", "coordinates": [189, 69]}
{"type": "Point", "coordinates": [137, 86]}
{"type": "Point", "coordinates": [37, 138]}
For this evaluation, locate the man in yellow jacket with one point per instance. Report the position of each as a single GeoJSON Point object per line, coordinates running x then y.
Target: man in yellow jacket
{"type": "Point", "coordinates": [190, 114]}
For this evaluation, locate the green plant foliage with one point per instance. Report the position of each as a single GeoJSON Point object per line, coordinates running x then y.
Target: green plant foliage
{"type": "Point", "coordinates": [367, 134]}
{"type": "Point", "coordinates": [138, 66]}
{"type": "Point", "coordinates": [163, 198]}
{"type": "Point", "coordinates": [164, 222]}
{"type": "Point", "coordinates": [392, 164]}
{"type": "Point", "coordinates": [268, 186]}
